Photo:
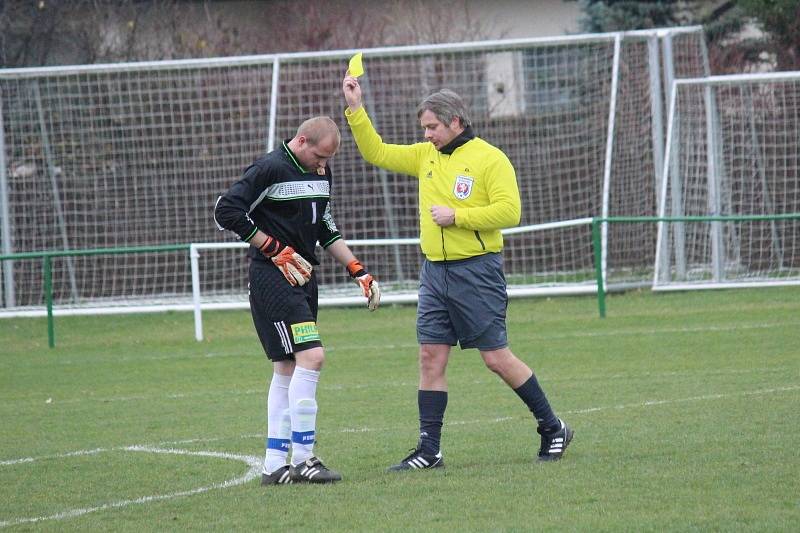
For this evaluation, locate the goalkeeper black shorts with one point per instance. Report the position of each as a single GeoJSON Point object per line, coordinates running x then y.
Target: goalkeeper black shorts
{"type": "Point", "coordinates": [285, 317]}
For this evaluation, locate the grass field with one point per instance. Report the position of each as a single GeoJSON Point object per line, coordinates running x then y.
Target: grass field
{"type": "Point", "coordinates": [686, 408]}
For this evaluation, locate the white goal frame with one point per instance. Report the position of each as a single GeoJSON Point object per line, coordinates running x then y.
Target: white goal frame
{"type": "Point", "coordinates": [387, 297]}
{"type": "Point", "coordinates": [671, 192]}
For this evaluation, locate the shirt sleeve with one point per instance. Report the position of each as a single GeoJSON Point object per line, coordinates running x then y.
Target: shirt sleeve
{"type": "Point", "coordinates": [232, 208]}
{"type": "Point", "coordinates": [504, 208]}
{"type": "Point", "coordinates": [401, 158]}
{"type": "Point", "coordinates": [328, 233]}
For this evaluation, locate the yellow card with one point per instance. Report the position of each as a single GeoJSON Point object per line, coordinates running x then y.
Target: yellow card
{"type": "Point", "coordinates": [356, 68]}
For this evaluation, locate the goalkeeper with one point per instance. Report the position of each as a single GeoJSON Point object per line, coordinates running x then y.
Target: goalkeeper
{"type": "Point", "coordinates": [467, 193]}
{"type": "Point", "coordinates": [281, 206]}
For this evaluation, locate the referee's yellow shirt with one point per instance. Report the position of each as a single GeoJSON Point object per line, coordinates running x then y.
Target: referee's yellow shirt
{"type": "Point", "coordinates": [477, 180]}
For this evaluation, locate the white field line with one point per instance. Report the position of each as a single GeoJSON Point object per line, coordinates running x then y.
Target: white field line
{"type": "Point", "coordinates": [113, 359]}
{"type": "Point", "coordinates": [57, 456]}
{"type": "Point", "coordinates": [646, 403]}
{"type": "Point", "coordinates": [253, 462]}
{"type": "Point", "coordinates": [405, 384]}
{"type": "Point", "coordinates": [659, 331]}
{"type": "Point", "coordinates": [704, 397]}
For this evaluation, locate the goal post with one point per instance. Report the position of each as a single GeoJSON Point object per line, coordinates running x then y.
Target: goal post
{"type": "Point", "coordinates": [731, 151]}
{"type": "Point", "coordinates": [649, 62]}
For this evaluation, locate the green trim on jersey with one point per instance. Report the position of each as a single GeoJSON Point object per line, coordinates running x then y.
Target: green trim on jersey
{"type": "Point", "coordinates": [255, 230]}
{"type": "Point", "coordinates": [333, 240]}
{"type": "Point", "coordinates": [294, 190]}
{"type": "Point", "coordinates": [294, 160]}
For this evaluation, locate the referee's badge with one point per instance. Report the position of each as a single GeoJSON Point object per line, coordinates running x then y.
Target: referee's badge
{"type": "Point", "coordinates": [463, 187]}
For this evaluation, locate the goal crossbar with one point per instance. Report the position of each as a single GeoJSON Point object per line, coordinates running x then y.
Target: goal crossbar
{"type": "Point", "coordinates": [385, 51]}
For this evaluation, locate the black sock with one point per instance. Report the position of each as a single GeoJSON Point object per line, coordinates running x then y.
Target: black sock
{"type": "Point", "coordinates": [432, 404]}
{"type": "Point", "coordinates": [532, 394]}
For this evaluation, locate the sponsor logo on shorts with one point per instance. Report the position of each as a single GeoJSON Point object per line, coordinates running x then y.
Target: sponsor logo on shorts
{"type": "Point", "coordinates": [305, 332]}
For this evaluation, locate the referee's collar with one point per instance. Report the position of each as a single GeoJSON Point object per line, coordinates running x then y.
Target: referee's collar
{"type": "Point", "coordinates": [463, 138]}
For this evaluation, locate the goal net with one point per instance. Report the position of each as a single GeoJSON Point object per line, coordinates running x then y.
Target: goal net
{"type": "Point", "coordinates": [103, 156]}
{"type": "Point", "coordinates": [732, 151]}
{"type": "Point", "coordinates": [649, 63]}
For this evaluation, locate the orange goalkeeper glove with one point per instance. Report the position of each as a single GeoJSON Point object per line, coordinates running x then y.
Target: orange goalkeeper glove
{"type": "Point", "coordinates": [292, 265]}
{"type": "Point", "coordinates": [368, 284]}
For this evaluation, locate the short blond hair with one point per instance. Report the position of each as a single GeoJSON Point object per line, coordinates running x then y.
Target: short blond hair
{"type": "Point", "coordinates": [317, 129]}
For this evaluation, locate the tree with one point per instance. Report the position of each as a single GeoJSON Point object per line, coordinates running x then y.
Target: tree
{"type": "Point", "coordinates": [780, 21]}
{"type": "Point", "coordinates": [423, 22]}
{"type": "Point", "coordinates": [30, 30]}
{"type": "Point", "coordinates": [620, 15]}
{"type": "Point", "coordinates": [57, 32]}
{"type": "Point", "coordinates": [731, 48]}
{"type": "Point", "coordinates": [49, 32]}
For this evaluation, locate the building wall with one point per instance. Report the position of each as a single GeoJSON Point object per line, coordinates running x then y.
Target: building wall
{"type": "Point", "coordinates": [533, 18]}
{"type": "Point", "coordinates": [505, 19]}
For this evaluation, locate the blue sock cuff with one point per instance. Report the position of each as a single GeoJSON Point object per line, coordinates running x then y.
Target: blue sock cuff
{"type": "Point", "coordinates": [278, 444]}
{"type": "Point", "coordinates": [303, 437]}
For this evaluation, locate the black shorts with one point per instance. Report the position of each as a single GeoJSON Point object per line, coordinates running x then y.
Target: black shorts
{"type": "Point", "coordinates": [285, 317]}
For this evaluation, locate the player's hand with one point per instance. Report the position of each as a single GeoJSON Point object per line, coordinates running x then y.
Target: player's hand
{"type": "Point", "coordinates": [369, 285]}
{"type": "Point", "coordinates": [443, 216]}
{"type": "Point", "coordinates": [352, 92]}
{"type": "Point", "coordinates": [294, 267]}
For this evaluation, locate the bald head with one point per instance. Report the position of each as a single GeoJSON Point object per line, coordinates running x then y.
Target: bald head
{"type": "Point", "coordinates": [319, 129]}
{"type": "Point", "coordinates": [316, 141]}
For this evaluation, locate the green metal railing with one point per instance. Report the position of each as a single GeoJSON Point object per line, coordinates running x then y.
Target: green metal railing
{"type": "Point", "coordinates": [597, 223]}
{"type": "Point", "coordinates": [47, 270]}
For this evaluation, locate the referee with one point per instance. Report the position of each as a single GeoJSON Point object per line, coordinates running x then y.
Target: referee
{"type": "Point", "coordinates": [467, 193]}
{"type": "Point", "coordinates": [281, 206]}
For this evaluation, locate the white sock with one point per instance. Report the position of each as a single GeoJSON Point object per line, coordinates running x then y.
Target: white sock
{"type": "Point", "coordinates": [279, 429]}
{"type": "Point", "coordinates": [303, 408]}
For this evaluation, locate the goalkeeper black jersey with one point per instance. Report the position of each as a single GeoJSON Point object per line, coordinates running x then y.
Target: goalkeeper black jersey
{"type": "Point", "coordinates": [279, 197]}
